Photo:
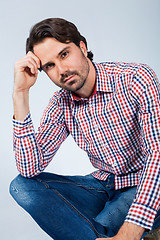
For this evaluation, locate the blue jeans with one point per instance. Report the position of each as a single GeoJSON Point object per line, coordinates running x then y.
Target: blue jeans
{"type": "Point", "coordinates": [74, 207]}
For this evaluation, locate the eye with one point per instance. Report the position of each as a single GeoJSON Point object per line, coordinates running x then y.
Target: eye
{"type": "Point", "coordinates": [49, 66]}
{"type": "Point", "coordinates": [64, 54]}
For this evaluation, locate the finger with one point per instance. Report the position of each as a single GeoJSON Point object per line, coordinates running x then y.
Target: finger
{"type": "Point", "coordinates": [30, 58]}
{"type": "Point", "coordinates": [31, 64]}
{"type": "Point", "coordinates": [24, 63]}
{"type": "Point", "coordinates": [34, 57]}
{"type": "Point", "coordinates": [31, 68]}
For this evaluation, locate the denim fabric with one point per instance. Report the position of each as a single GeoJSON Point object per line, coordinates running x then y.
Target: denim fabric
{"type": "Point", "coordinates": [73, 207]}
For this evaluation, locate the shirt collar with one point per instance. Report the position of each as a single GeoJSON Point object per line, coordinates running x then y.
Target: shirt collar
{"type": "Point", "coordinates": [103, 81]}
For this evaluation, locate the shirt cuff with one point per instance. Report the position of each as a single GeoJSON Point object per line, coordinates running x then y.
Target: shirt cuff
{"type": "Point", "coordinates": [141, 215]}
{"type": "Point", "coordinates": [23, 128]}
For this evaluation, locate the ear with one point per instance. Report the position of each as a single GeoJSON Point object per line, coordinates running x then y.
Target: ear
{"type": "Point", "coordinates": [83, 48]}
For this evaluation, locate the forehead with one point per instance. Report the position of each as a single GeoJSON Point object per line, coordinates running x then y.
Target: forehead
{"type": "Point", "coordinates": [49, 47]}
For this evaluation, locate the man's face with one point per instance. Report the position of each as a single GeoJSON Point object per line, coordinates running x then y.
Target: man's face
{"type": "Point", "coordinates": [65, 63]}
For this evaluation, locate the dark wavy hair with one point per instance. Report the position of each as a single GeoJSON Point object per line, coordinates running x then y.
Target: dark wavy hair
{"type": "Point", "coordinates": [58, 28]}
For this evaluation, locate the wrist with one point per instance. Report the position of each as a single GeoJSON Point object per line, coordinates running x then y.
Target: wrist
{"type": "Point", "coordinates": [20, 92]}
{"type": "Point", "coordinates": [21, 104]}
{"type": "Point", "coordinates": [131, 231]}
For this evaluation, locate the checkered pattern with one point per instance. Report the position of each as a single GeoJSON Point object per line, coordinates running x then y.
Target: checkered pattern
{"type": "Point", "coordinates": [118, 127]}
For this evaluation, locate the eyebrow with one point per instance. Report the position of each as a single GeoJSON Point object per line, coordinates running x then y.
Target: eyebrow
{"type": "Point", "coordinates": [44, 65]}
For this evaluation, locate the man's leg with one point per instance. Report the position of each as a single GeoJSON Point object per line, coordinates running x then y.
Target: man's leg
{"type": "Point", "coordinates": [116, 209]}
{"type": "Point", "coordinates": [64, 207]}
{"type": "Point", "coordinates": [74, 207]}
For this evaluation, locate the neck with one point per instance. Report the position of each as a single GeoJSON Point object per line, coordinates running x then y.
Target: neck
{"type": "Point", "coordinates": [88, 88]}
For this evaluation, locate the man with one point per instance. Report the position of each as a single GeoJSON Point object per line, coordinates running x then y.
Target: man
{"type": "Point", "coordinates": [112, 112]}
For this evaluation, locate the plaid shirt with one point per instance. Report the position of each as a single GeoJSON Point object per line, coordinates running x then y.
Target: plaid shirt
{"type": "Point", "coordinates": [118, 127]}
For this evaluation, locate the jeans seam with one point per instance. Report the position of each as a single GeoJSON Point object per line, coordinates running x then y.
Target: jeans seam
{"type": "Point", "coordinates": [74, 183]}
{"type": "Point", "coordinates": [44, 183]}
{"type": "Point", "coordinates": [95, 231]}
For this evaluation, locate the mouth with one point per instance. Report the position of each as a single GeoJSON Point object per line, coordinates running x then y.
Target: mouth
{"type": "Point", "coordinates": [69, 79]}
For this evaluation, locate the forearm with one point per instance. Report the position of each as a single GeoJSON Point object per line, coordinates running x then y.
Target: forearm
{"type": "Point", "coordinates": [25, 76]}
{"type": "Point", "coordinates": [146, 203]}
{"type": "Point", "coordinates": [27, 152]}
{"type": "Point", "coordinates": [21, 104]}
{"type": "Point", "coordinates": [33, 152]}
{"type": "Point", "coordinates": [128, 231]}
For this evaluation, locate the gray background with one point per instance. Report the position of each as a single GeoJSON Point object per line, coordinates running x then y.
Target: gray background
{"type": "Point", "coordinates": [116, 30]}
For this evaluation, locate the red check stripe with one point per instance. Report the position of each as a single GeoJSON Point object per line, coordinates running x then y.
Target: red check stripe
{"type": "Point", "coordinates": [118, 127]}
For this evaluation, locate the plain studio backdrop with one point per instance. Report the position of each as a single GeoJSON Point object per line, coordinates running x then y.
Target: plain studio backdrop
{"type": "Point", "coordinates": [116, 30]}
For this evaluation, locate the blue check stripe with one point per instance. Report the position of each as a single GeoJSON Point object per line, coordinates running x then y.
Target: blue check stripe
{"type": "Point", "coordinates": [118, 127]}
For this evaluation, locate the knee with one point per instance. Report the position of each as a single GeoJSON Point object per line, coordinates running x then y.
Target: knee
{"type": "Point", "coordinates": [15, 186]}
{"type": "Point", "coordinates": [19, 191]}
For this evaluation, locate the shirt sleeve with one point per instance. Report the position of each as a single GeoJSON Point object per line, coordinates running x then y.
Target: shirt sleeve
{"type": "Point", "coordinates": [34, 151]}
{"type": "Point", "coordinates": [147, 201]}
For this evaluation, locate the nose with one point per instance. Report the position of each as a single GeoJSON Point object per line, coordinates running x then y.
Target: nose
{"type": "Point", "coordinates": [62, 68]}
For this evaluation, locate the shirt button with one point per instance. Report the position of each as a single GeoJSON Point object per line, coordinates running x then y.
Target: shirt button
{"type": "Point", "coordinates": [114, 164]}
{"type": "Point", "coordinates": [96, 127]}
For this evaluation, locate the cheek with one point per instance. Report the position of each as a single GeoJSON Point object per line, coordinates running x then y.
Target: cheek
{"type": "Point", "coordinates": [76, 60]}
{"type": "Point", "coordinates": [53, 75]}
{"type": "Point", "coordinates": [77, 64]}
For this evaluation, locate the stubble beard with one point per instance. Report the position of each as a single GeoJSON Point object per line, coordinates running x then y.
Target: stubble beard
{"type": "Point", "coordinates": [80, 77]}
